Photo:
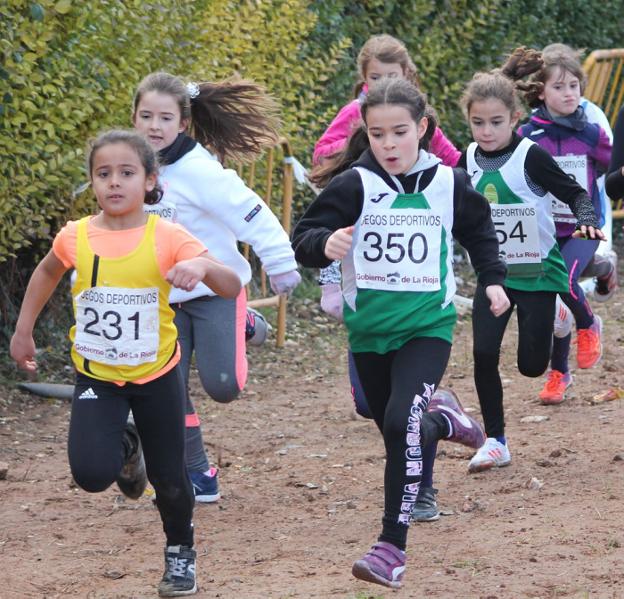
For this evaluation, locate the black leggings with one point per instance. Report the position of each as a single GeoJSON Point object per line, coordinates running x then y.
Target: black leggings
{"type": "Point", "coordinates": [96, 451]}
{"type": "Point", "coordinates": [398, 386]}
{"type": "Point", "coordinates": [536, 317]}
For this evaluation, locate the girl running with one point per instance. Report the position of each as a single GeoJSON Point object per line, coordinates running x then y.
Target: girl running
{"type": "Point", "coordinates": [234, 120]}
{"type": "Point", "coordinates": [124, 340]}
{"type": "Point", "coordinates": [390, 218]}
{"type": "Point", "coordinates": [582, 150]}
{"type": "Point", "coordinates": [518, 177]}
{"type": "Point", "coordinates": [381, 56]}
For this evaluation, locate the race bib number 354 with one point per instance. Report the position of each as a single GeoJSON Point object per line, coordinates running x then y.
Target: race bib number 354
{"type": "Point", "coordinates": [398, 250]}
{"type": "Point", "coordinates": [117, 325]}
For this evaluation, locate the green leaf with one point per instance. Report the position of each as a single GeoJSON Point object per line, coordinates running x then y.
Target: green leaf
{"type": "Point", "coordinates": [62, 7]}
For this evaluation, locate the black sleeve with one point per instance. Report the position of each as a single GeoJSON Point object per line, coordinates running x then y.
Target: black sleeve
{"type": "Point", "coordinates": [615, 178]}
{"type": "Point", "coordinates": [543, 170]}
{"type": "Point", "coordinates": [338, 205]}
{"type": "Point", "coordinates": [463, 161]}
{"type": "Point", "coordinates": [473, 228]}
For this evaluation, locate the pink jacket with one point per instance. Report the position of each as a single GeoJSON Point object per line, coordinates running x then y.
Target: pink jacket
{"type": "Point", "coordinates": [350, 117]}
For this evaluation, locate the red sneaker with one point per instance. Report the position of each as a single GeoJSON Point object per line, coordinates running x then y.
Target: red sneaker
{"type": "Point", "coordinates": [589, 344]}
{"type": "Point", "coordinates": [555, 387]}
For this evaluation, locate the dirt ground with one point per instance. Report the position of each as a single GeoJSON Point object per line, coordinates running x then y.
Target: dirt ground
{"type": "Point", "coordinates": [301, 479]}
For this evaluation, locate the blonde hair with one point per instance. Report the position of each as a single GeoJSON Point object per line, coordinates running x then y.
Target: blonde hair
{"type": "Point", "coordinates": [386, 49]}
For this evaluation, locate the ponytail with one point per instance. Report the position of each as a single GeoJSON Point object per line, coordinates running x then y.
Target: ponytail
{"type": "Point", "coordinates": [235, 119]}
{"type": "Point", "coordinates": [503, 83]}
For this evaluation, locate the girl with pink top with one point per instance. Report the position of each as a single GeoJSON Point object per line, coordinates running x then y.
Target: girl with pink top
{"type": "Point", "coordinates": [381, 56]}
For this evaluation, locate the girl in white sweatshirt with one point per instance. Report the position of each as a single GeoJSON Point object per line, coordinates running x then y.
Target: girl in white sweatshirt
{"type": "Point", "coordinates": [228, 120]}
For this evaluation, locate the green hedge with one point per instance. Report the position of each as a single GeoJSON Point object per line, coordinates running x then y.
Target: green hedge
{"type": "Point", "coordinates": [68, 70]}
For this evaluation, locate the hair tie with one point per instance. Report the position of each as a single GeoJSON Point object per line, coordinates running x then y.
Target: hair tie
{"type": "Point", "coordinates": [192, 89]}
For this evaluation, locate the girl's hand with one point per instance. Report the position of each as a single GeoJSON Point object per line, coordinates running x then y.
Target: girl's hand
{"type": "Point", "coordinates": [499, 302]}
{"type": "Point", "coordinates": [339, 243]}
{"type": "Point", "coordinates": [284, 284]}
{"type": "Point", "coordinates": [187, 273]}
{"type": "Point", "coordinates": [22, 350]}
{"type": "Point", "coordinates": [585, 232]}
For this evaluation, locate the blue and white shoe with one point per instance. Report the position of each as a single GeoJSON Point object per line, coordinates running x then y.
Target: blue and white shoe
{"type": "Point", "coordinates": [205, 486]}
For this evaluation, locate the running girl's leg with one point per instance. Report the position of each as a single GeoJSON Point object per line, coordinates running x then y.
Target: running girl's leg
{"type": "Point", "coordinates": [359, 399]}
{"type": "Point", "coordinates": [196, 457]}
{"type": "Point", "coordinates": [219, 339]}
{"type": "Point", "coordinates": [536, 318]}
{"type": "Point", "coordinates": [159, 414]}
{"type": "Point", "coordinates": [398, 387]}
{"type": "Point", "coordinates": [95, 445]}
{"type": "Point", "coordinates": [577, 254]}
{"type": "Point", "coordinates": [488, 331]}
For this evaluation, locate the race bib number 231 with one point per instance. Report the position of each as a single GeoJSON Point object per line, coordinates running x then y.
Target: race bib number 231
{"type": "Point", "coordinates": [117, 325]}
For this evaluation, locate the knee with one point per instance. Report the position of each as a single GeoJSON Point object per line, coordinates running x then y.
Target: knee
{"type": "Point", "coordinates": [92, 480]}
{"type": "Point", "coordinates": [396, 428]}
{"type": "Point", "coordinates": [170, 489]}
{"type": "Point", "coordinates": [485, 359]}
{"type": "Point", "coordinates": [533, 369]}
{"type": "Point", "coordinates": [224, 390]}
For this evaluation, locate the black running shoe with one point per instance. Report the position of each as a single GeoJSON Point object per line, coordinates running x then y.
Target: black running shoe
{"type": "Point", "coordinates": [132, 479]}
{"type": "Point", "coordinates": [179, 577]}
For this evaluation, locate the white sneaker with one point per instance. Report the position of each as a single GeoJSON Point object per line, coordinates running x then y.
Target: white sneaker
{"type": "Point", "coordinates": [563, 320]}
{"type": "Point", "coordinates": [492, 454]}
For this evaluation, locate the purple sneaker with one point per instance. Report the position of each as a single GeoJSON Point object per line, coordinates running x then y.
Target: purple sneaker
{"type": "Point", "coordinates": [464, 429]}
{"type": "Point", "coordinates": [383, 564]}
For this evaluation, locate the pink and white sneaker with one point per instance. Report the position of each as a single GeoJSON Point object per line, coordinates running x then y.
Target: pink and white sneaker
{"type": "Point", "coordinates": [492, 454]}
{"type": "Point", "coordinates": [384, 564]}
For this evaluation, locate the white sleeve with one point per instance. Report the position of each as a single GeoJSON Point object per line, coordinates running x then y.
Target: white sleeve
{"type": "Point", "coordinates": [595, 115]}
{"type": "Point", "coordinates": [250, 220]}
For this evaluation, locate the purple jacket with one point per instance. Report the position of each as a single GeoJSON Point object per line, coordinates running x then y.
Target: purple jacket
{"type": "Point", "coordinates": [350, 117]}
{"type": "Point", "coordinates": [572, 136]}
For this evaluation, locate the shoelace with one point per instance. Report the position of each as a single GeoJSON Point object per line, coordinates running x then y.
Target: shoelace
{"type": "Point", "coordinates": [178, 566]}
{"type": "Point", "coordinates": [554, 381]}
{"type": "Point", "coordinates": [587, 340]}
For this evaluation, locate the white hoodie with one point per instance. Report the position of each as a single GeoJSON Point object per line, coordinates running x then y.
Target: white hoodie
{"type": "Point", "coordinates": [216, 206]}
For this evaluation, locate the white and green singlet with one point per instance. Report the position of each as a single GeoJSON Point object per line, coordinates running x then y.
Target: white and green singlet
{"type": "Point", "coordinates": [398, 280]}
{"type": "Point", "coordinates": [524, 223]}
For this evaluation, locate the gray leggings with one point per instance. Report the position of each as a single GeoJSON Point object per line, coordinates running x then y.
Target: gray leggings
{"type": "Point", "coordinates": [214, 328]}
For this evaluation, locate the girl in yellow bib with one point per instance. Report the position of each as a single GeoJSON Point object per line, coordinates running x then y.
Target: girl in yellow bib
{"type": "Point", "coordinates": [124, 344]}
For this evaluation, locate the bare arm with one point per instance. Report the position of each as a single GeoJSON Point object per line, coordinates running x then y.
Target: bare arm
{"type": "Point", "coordinates": [220, 278]}
{"type": "Point", "coordinates": [42, 284]}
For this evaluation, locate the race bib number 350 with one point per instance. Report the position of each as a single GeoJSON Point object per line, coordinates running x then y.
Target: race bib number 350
{"type": "Point", "coordinates": [398, 250]}
{"type": "Point", "coordinates": [117, 325]}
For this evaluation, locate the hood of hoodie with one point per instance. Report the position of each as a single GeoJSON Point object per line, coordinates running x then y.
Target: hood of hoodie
{"type": "Point", "coordinates": [425, 162]}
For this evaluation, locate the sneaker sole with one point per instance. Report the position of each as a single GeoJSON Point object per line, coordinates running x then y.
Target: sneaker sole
{"type": "Point", "coordinates": [362, 571]}
{"type": "Point", "coordinates": [601, 298]}
{"type": "Point", "coordinates": [425, 519]}
{"type": "Point", "coordinates": [486, 466]}
{"type": "Point", "coordinates": [177, 593]}
{"type": "Point", "coordinates": [551, 401]}
{"type": "Point", "coordinates": [207, 498]}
